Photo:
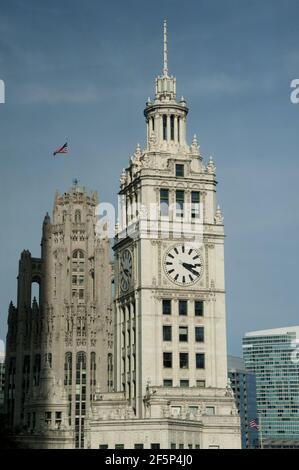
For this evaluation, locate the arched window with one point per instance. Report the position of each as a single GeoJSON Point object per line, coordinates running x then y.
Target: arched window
{"type": "Point", "coordinates": [77, 216]}
{"type": "Point", "coordinates": [78, 274]}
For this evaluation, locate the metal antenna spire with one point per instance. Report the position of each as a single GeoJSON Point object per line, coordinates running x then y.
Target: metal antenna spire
{"type": "Point", "coordinates": [165, 66]}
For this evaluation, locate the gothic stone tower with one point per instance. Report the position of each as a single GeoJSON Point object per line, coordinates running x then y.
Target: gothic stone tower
{"type": "Point", "coordinates": [59, 346]}
{"type": "Point", "coordinates": [170, 327]}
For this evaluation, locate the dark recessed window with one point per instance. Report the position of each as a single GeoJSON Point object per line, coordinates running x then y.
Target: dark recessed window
{"type": "Point", "coordinates": [200, 361]}
{"type": "Point", "coordinates": [183, 307]}
{"type": "Point", "coordinates": [183, 333]}
{"type": "Point", "coordinates": [103, 446]}
{"type": "Point", "coordinates": [167, 383]}
{"type": "Point", "coordinates": [195, 199]}
{"type": "Point", "coordinates": [172, 127]}
{"type": "Point", "coordinates": [164, 202]}
{"type": "Point", "coordinates": [119, 446]}
{"type": "Point", "coordinates": [167, 336]}
{"type": "Point", "coordinates": [138, 446]}
{"type": "Point", "coordinates": [155, 446]}
{"type": "Point", "coordinates": [180, 199]}
{"type": "Point", "coordinates": [166, 306]}
{"type": "Point", "coordinates": [198, 308]}
{"type": "Point", "coordinates": [164, 127]}
{"type": "Point", "coordinates": [184, 360]}
{"type": "Point", "coordinates": [184, 383]}
{"type": "Point", "coordinates": [179, 170]}
{"type": "Point", "coordinates": [167, 360]}
{"type": "Point", "coordinates": [199, 334]}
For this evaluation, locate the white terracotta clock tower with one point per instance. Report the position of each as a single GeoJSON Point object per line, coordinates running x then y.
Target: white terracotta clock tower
{"type": "Point", "coordinates": [170, 325]}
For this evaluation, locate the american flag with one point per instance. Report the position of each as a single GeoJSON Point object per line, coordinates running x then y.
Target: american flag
{"type": "Point", "coordinates": [253, 424]}
{"type": "Point", "coordinates": [63, 149]}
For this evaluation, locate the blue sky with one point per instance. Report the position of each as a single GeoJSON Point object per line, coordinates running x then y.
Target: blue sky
{"type": "Point", "coordinates": [82, 70]}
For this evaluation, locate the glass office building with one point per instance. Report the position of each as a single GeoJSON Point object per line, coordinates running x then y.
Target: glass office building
{"type": "Point", "coordinates": [273, 355]}
{"type": "Point", "coordinates": [244, 387]}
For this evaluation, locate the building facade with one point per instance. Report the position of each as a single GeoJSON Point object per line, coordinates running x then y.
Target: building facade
{"type": "Point", "coordinates": [273, 356]}
{"type": "Point", "coordinates": [170, 323]}
{"type": "Point", "coordinates": [243, 384]}
{"type": "Point", "coordinates": [59, 345]}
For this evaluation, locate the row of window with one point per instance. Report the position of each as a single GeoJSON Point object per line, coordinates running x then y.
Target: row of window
{"type": "Point", "coordinates": [198, 307]}
{"type": "Point", "coordinates": [184, 383]}
{"type": "Point", "coordinates": [183, 333]}
{"type": "Point", "coordinates": [153, 446]}
{"type": "Point", "coordinates": [183, 360]}
{"type": "Point", "coordinates": [179, 203]}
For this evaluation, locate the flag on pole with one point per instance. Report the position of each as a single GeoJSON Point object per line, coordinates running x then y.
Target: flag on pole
{"type": "Point", "coordinates": [63, 149]}
{"type": "Point", "coordinates": [253, 424]}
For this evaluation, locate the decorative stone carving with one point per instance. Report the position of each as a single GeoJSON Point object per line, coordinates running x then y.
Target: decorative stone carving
{"type": "Point", "coordinates": [211, 168]}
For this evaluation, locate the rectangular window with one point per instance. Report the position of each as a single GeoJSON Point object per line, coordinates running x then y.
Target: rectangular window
{"type": "Point", "coordinates": [167, 383]}
{"type": "Point", "coordinates": [200, 383]}
{"type": "Point", "coordinates": [173, 445]}
{"type": "Point", "coordinates": [138, 446]}
{"type": "Point", "coordinates": [198, 308]}
{"type": "Point", "coordinates": [164, 202]}
{"type": "Point", "coordinates": [180, 199]}
{"type": "Point", "coordinates": [119, 446]}
{"type": "Point", "coordinates": [103, 446]}
{"type": "Point", "coordinates": [167, 336]}
{"type": "Point", "coordinates": [183, 333]}
{"type": "Point", "coordinates": [184, 360]}
{"type": "Point", "coordinates": [210, 410]}
{"type": "Point", "coordinates": [199, 334]}
{"type": "Point", "coordinates": [183, 307]}
{"type": "Point", "coordinates": [164, 127]}
{"type": "Point", "coordinates": [184, 383]}
{"type": "Point", "coordinates": [200, 361]}
{"type": "Point", "coordinates": [167, 360]}
{"type": "Point", "coordinates": [166, 306]}
{"type": "Point", "coordinates": [195, 199]}
{"type": "Point", "coordinates": [172, 127]}
{"type": "Point", "coordinates": [179, 170]}
{"type": "Point", "coordinates": [181, 446]}
{"type": "Point", "coordinates": [155, 446]}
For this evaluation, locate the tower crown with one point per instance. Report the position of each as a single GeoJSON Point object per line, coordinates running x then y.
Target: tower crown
{"type": "Point", "coordinates": [165, 116]}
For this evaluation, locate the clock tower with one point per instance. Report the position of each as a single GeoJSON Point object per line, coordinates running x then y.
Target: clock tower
{"type": "Point", "coordinates": [170, 325]}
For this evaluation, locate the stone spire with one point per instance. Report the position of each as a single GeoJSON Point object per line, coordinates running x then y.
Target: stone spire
{"type": "Point", "coordinates": [165, 116]}
{"type": "Point", "coordinates": [165, 52]}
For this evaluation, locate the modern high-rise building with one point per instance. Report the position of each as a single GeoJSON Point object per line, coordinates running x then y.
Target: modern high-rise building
{"type": "Point", "coordinates": [273, 355]}
{"type": "Point", "coordinates": [59, 343]}
{"type": "Point", "coordinates": [243, 384]}
{"type": "Point", "coordinates": [170, 323]}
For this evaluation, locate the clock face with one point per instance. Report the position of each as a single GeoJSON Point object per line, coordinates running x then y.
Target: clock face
{"type": "Point", "coordinates": [183, 264]}
{"type": "Point", "coordinates": [125, 270]}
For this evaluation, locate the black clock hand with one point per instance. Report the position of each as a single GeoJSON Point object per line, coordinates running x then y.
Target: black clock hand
{"type": "Point", "coordinates": [190, 268]}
